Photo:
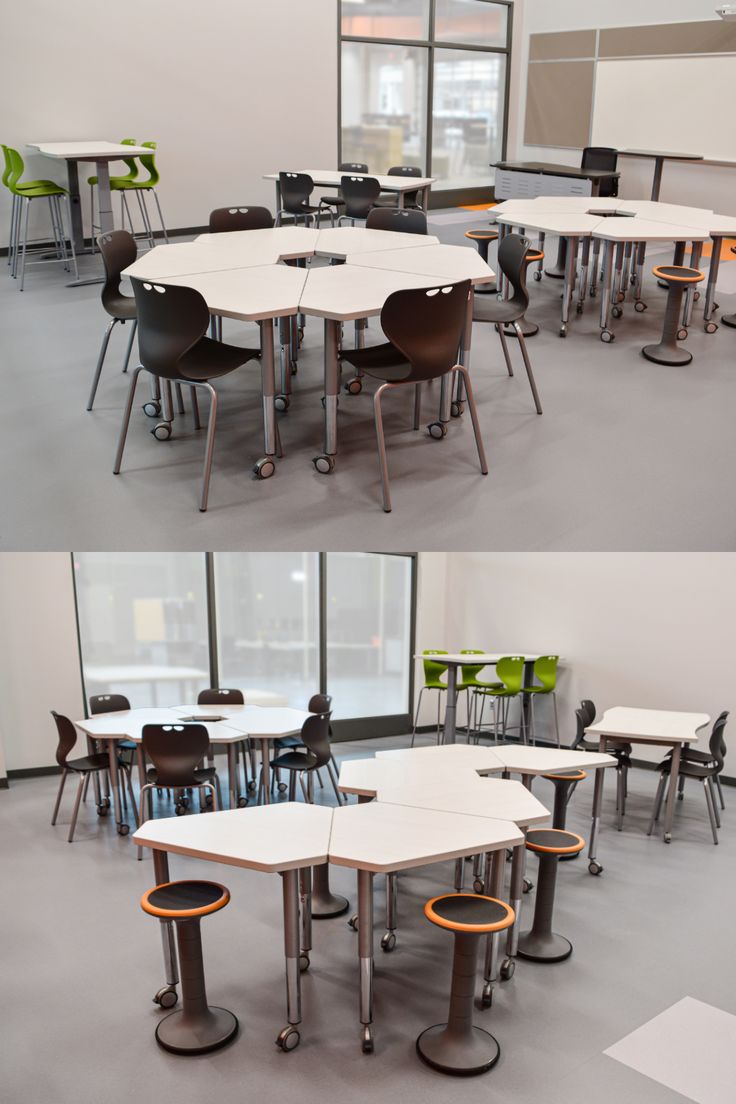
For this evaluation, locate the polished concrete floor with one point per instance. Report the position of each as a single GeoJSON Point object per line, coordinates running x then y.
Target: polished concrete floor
{"type": "Point", "coordinates": [78, 1020]}
{"type": "Point", "coordinates": [628, 455]}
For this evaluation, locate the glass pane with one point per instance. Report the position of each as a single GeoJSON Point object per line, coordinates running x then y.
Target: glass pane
{"type": "Point", "coordinates": [368, 633]}
{"type": "Point", "coordinates": [267, 625]}
{"type": "Point", "coordinates": [385, 18]}
{"type": "Point", "coordinates": [384, 104]}
{"type": "Point", "coordinates": [467, 117]}
{"type": "Point", "coordinates": [473, 21]}
{"type": "Point", "coordinates": [143, 625]}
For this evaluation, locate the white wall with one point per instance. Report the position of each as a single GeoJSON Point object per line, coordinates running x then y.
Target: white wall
{"type": "Point", "coordinates": [654, 630]}
{"type": "Point", "coordinates": [230, 89]}
{"type": "Point", "coordinates": [431, 629]}
{"type": "Point", "coordinates": [699, 185]}
{"type": "Point", "coordinates": [39, 660]}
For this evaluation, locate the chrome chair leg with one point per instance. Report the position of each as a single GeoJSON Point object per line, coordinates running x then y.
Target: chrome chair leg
{"type": "Point", "coordinates": [380, 440]}
{"type": "Point", "coordinates": [712, 788]}
{"type": "Point", "coordinates": [333, 780]}
{"type": "Point", "coordinates": [554, 709]}
{"type": "Point", "coordinates": [528, 366]}
{"type": "Point", "coordinates": [64, 773]}
{"type": "Point", "coordinates": [161, 217]}
{"type": "Point", "coordinates": [126, 419]}
{"type": "Point", "coordinates": [474, 418]}
{"type": "Point", "coordinates": [133, 328]}
{"type": "Point", "coordinates": [657, 802]}
{"type": "Point", "coordinates": [505, 348]}
{"type": "Point", "coordinates": [75, 811]}
{"type": "Point", "coordinates": [210, 447]}
{"type": "Point", "coordinates": [416, 716]}
{"type": "Point", "coordinates": [720, 791]}
{"type": "Point", "coordinates": [100, 360]}
{"type": "Point", "coordinates": [711, 809]}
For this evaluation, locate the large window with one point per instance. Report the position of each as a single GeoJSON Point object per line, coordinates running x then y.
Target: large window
{"type": "Point", "coordinates": [424, 83]}
{"type": "Point", "coordinates": [159, 627]}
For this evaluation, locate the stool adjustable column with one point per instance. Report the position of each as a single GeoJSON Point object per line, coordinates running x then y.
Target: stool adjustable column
{"type": "Point", "coordinates": [541, 944]}
{"type": "Point", "coordinates": [459, 1047]}
{"type": "Point", "coordinates": [564, 784]}
{"type": "Point", "coordinates": [677, 279]}
{"type": "Point", "coordinates": [195, 1028]}
{"type": "Point", "coordinates": [483, 239]}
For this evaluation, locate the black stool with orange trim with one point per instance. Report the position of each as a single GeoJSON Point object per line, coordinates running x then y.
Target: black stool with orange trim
{"type": "Point", "coordinates": [541, 944]}
{"type": "Point", "coordinates": [564, 783]}
{"type": "Point", "coordinates": [483, 239]}
{"type": "Point", "coordinates": [459, 1047]}
{"type": "Point", "coordinates": [196, 1028]}
{"type": "Point", "coordinates": [678, 278]}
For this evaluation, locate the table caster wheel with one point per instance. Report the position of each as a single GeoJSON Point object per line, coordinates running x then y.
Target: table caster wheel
{"type": "Point", "coordinates": [265, 468]}
{"type": "Point", "coordinates": [617, 312]}
{"type": "Point", "coordinates": [324, 463]}
{"type": "Point", "coordinates": [508, 966]}
{"type": "Point", "coordinates": [639, 306]}
{"type": "Point", "coordinates": [682, 333]}
{"type": "Point", "coordinates": [251, 787]}
{"type": "Point", "coordinates": [486, 996]}
{"type": "Point", "coordinates": [281, 402]}
{"type": "Point", "coordinates": [123, 829]}
{"type": "Point", "coordinates": [103, 808]}
{"type": "Point", "coordinates": [388, 942]}
{"type": "Point", "coordinates": [353, 923]}
{"type": "Point", "coordinates": [594, 867]}
{"type": "Point", "coordinates": [354, 386]}
{"type": "Point", "coordinates": [180, 808]}
{"type": "Point", "coordinates": [478, 886]}
{"type": "Point", "coordinates": [303, 962]}
{"type": "Point", "coordinates": [668, 837]}
{"type": "Point", "coordinates": [152, 408]}
{"type": "Point", "coordinates": [367, 1043]}
{"type": "Point", "coordinates": [456, 409]}
{"type": "Point", "coordinates": [563, 331]}
{"type": "Point", "coordinates": [282, 787]}
{"type": "Point", "coordinates": [288, 1039]}
{"type": "Point", "coordinates": [579, 308]}
{"type": "Point", "coordinates": [162, 431]}
{"type": "Point", "coordinates": [593, 293]}
{"type": "Point", "coordinates": [537, 276]}
{"type": "Point", "coordinates": [710, 327]}
{"type": "Point", "coordinates": [242, 801]}
{"type": "Point", "coordinates": [607, 336]}
{"type": "Point", "coordinates": [528, 886]}
{"type": "Point", "coordinates": [619, 297]}
{"type": "Point", "coordinates": [166, 997]}
{"type": "Point", "coordinates": [438, 430]}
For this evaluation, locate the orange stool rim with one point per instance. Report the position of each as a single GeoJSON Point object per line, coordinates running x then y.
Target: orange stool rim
{"type": "Point", "coordinates": [573, 776]}
{"type": "Point", "coordinates": [668, 272]}
{"type": "Point", "coordinates": [543, 849]}
{"type": "Point", "coordinates": [534, 255]}
{"type": "Point", "coordinates": [481, 929]}
{"type": "Point", "coordinates": [481, 235]}
{"type": "Point", "coordinates": [185, 914]}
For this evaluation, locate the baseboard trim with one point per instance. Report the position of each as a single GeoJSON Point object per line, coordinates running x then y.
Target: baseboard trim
{"type": "Point", "coordinates": [4, 784]}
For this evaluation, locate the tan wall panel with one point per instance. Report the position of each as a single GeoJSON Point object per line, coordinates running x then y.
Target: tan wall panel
{"type": "Point", "coordinates": [561, 44]}
{"type": "Point", "coordinates": [712, 36]}
{"type": "Point", "coordinates": [559, 103]}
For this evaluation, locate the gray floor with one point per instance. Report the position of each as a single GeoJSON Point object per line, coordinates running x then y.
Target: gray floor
{"type": "Point", "coordinates": [78, 1019]}
{"type": "Point", "coordinates": [627, 456]}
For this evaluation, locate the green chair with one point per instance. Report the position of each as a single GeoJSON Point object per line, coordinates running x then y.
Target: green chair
{"type": "Point", "coordinates": [141, 189]}
{"type": "Point", "coordinates": [469, 681]}
{"type": "Point", "coordinates": [23, 194]}
{"type": "Point", "coordinates": [7, 172]}
{"type": "Point", "coordinates": [433, 670]}
{"type": "Point", "coordinates": [132, 174]}
{"type": "Point", "coordinates": [510, 669]}
{"type": "Point", "coordinates": [545, 671]}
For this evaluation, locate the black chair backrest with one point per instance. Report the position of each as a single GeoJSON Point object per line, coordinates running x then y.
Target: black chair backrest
{"type": "Point", "coordinates": [175, 751]}
{"type": "Point", "coordinates": [225, 219]}
{"type": "Point", "coordinates": [412, 198]}
{"type": "Point", "coordinates": [171, 320]}
{"type": "Point", "coordinates": [604, 158]}
{"type": "Point", "coordinates": [118, 251]}
{"type": "Point", "coordinates": [426, 324]}
{"type": "Point", "coordinates": [584, 716]}
{"type": "Point", "coordinates": [512, 251]}
{"type": "Point", "coordinates": [67, 737]}
{"type": "Point", "coordinates": [717, 743]}
{"type": "Point", "coordinates": [589, 711]}
{"type": "Point", "coordinates": [359, 193]}
{"type": "Point", "coordinates": [315, 736]}
{"type": "Point", "coordinates": [352, 166]}
{"type": "Point", "coordinates": [107, 703]}
{"type": "Point", "coordinates": [396, 218]}
{"type": "Point", "coordinates": [296, 188]}
{"type": "Point", "coordinates": [220, 697]}
{"type": "Point", "coordinates": [320, 703]}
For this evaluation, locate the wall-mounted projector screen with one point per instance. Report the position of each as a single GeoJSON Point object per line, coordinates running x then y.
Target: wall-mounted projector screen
{"type": "Point", "coordinates": [679, 104]}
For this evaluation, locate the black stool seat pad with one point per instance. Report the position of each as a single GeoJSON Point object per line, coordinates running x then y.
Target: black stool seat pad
{"type": "Point", "coordinates": [553, 841]}
{"type": "Point", "coordinates": [209, 359]}
{"type": "Point", "coordinates": [295, 760]}
{"type": "Point", "coordinates": [469, 912]}
{"type": "Point", "coordinates": [88, 763]}
{"type": "Point", "coordinates": [678, 273]}
{"type": "Point", "coordinates": [190, 898]}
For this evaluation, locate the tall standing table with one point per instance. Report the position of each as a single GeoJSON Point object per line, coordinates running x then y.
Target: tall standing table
{"type": "Point", "coordinates": [659, 157]}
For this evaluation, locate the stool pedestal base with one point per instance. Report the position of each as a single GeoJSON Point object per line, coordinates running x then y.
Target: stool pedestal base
{"type": "Point", "coordinates": [667, 354]}
{"type": "Point", "coordinates": [183, 1034]}
{"type": "Point", "coordinates": [547, 947]}
{"type": "Point", "coordinates": [460, 1054]}
{"type": "Point", "coordinates": [325, 903]}
{"type": "Point", "coordinates": [728, 320]}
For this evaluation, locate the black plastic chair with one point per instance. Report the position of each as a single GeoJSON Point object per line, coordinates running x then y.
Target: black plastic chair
{"type": "Point", "coordinates": [296, 188]}
{"type": "Point", "coordinates": [424, 327]}
{"type": "Point", "coordinates": [584, 717]}
{"type": "Point", "coordinates": [84, 767]}
{"type": "Point", "coordinates": [223, 698]}
{"type": "Point", "coordinates": [411, 199]}
{"type": "Point", "coordinates": [173, 323]}
{"type": "Point", "coordinates": [175, 752]}
{"type": "Point", "coordinates": [118, 251]}
{"type": "Point", "coordinates": [115, 703]}
{"type": "Point", "coordinates": [333, 203]}
{"type": "Point", "coordinates": [360, 194]}
{"type": "Point", "coordinates": [318, 703]}
{"type": "Point", "coordinates": [705, 772]}
{"type": "Point", "coordinates": [692, 755]}
{"type": "Point", "coordinates": [512, 260]}
{"type": "Point", "coordinates": [605, 159]}
{"type": "Point", "coordinates": [224, 220]}
{"type": "Point", "coordinates": [398, 220]}
{"type": "Point", "coordinates": [315, 736]}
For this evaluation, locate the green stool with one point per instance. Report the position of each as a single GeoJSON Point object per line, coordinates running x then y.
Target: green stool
{"type": "Point", "coordinates": [510, 669]}
{"type": "Point", "coordinates": [469, 681]}
{"type": "Point", "coordinates": [23, 195]}
{"type": "Point", "coordinates": [433, 670]}
{"type": "Point", "coordinates": [14, 193]}
{"type": "Point", "coordinates": [545, 670]}
{"type": "Point", "coordinates": [141, 188]}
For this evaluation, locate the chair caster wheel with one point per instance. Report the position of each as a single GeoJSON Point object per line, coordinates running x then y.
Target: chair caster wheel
{"type": "Point", "coordinates": [103, 808]}
{"type": "Point", "coordinates": [710, 327]}
{"type": "Point", "coordinates": [617, 312]}
{"type": "Point", "coordinates": [537, 276]}
{"type": "Point", "coordinates": [438, 430]}
{"type": "Point", "coordinates": [668, 837]}
{"type": "Point", "coordinates": [123, 829]}
{"type": "Point", "coordinates": [456, 409]}
{"type": "Point", "coordinates": [486, 996]}
{"type": "Point", "coordinates": [324, 464]}
{"type": "Point", "coordinates": [288, 1039]}
{"type": "Point", "coordinates": [563, 331]}
{"type": "Point", "coordinates": [388, 942]}
{"type": "Point", "coordinates": [508, 966]}
{"type": "Point", "coordinates": [640, 307]}
{"type": "Point", "coordinates": [682, 333]}
{"type": "Point", "coordinates": [528, 886]}
{"type": "Point", "coordinates": [592, 293]}
{"type": "Point", "coordinates": [367, 1043]}
{"type": "Point", "coordinates": [282, 787]}
{"type": "Point", "coordinates": [594, 867]}
{"type": "Point", "coordinates": [166, 997]}
{"type": "Point", "coordinates": [242, 802]}
{"type": "Point", "coordinates": [162, 431]}
{"type": "Point", "coordinates": [265, 468]}
{"type": "Point", "coordinates": [607, 336]}
{"type": "Point", "coordinates": [354, 386]}
{"type": "Point", "coordinates": [579, 308]}
{"type": "Point", "coordinates": [478, 886]}
{"type": "Point", "coordinates": [281, 402]}
{"type": "Point", "coordinates": [353, 923]}
{"type": "Point", "coordinates": [619, 297]}
{"type": "Point", "coordinates": [180, 809]}
{"type": "Point", "coordinates": [152, 408]}
{"type": "Point", "coordinates": [303, 962]}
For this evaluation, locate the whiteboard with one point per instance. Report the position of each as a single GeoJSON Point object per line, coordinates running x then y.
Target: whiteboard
{"type": "Point", "coordinates": [684, 104]}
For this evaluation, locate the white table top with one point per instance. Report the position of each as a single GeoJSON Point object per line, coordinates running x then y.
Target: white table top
{"type": "Point", "coordinates": [444, 262]}
{"type": "Point", "coordinates": [128, 725]}
{"type": "Point", "coordinates": [573, 223]}
{"type": "Point", "coordinates": [475, 757]}
{"type": "Point", "coordinates": [488, 659]}
{"type": "Point", "coordinates": [93, 150]}
{"type": "Point", "coordinates": [339, 241]}
{"type": "Point", "coordinates": [650, 724]}
{"type": "Point", "coordinates": [637, 229]}
{"type": "Point", "coordinates": [271, 838]}
{"type": "Point", "coordinates": [248, 294]}
{"type": "Point", "coordinates": [382, 837]}
{"type": "Point", "coordinates": [331, 178]}
{"type": "Point", "coordinates": [191, 258]}
{"type": "Point", "coordinates": [365, 776]}
{"type": "Point", "coordinates": [498, 798]}
{"type": "Point", "coordinates": [345, 292]}
{"type": "Point", "coordinates": [256, 721]}
{"type": "Point", "coordinates": [284, 242]}
{"type": "Point", "coordinates": [525, 759]}
{"type": "Point", "coordinates": [666, 156]}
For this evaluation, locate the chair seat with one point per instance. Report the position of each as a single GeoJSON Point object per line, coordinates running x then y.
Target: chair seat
{"type": "Point", "coordinates": [295, 760]}
{"type": "Point", "coordinates": [689, 769]}
{"type": "Point", "coordinates": [185, 900]}
{"type": "Point", "coordinates": [92, 180]}
{"type": "Point", "coordinates": [210, 359]}
{"type": "Point", "coordinates": [693, 756]}
{"type": "Point", "coordinates": [121, 184]}
{"type": "Point", "coordinates": [678, 274]}
{"type": "Point", "coordinates": [383, 362]}
{"type": "Point", "coordinates": [481, 235]}
{"type": "Point", "coordinates": [87, 763]}
{"type": "Point", "coordinates": [469, 912]}
{"type": "Point", "coordinates": [333, 201]}
{"type": "Point", "coordinates": [305, 209]}
{"type": "Point", "coordinates": [204, 774]}
{"type": "Point", "coordinates": [538, 689]}
{"type": "Point", "coordinates": [36, 184]}
{"type": "Point", "coordinates": [495, 310]}
{"type": "Point", "coordinates": [499, 691]}
{"type": "Point", "coordinates": [288, 742]}
{"type": "Point", "coordinates": [121, 307]}
{"type": "Point", "coordinates": [42, 191]}
{"type": "Point", "coordinates": [566, 776]}
{"type": "Point", "coordinates": [392, 201]}
{"type": "Point", "coordinates": [554, 841]}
